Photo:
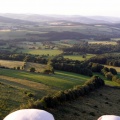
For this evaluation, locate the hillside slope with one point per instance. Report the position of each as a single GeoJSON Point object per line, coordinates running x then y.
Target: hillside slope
{"type": "Point", "coordinates": [103, 101]}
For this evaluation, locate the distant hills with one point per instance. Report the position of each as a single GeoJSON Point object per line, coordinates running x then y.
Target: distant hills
{"type": "Point", "coordinates": [14, 21]}
{"type": "Point", "coordinates": [52, 18]}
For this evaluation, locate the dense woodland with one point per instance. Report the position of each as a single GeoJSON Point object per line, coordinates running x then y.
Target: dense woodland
{"type": "Point", "coordinates": [92, 49]}
{"type": "Point", "coordinates": [108, 59]}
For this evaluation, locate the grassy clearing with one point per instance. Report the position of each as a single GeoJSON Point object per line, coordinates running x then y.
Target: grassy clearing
{"type": "Point", "coordinates": [11, 64]}
{"type": "Point", "coordinates": [15, 64]}
{"type": "Point", "coordinates": [42, 52]}
{"type": "Point", "coordinates": [79, 57]}
{"type": "Point", "coordinates": [38, 67]}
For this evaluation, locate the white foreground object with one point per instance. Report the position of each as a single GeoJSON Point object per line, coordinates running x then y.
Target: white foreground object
{"type": "Point", "coordinates": [109, 117]}
{"type": "Point", "coordinates": [29, 114]}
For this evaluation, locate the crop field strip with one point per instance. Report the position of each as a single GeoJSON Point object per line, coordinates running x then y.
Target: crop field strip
{"type": "Point", "coordinates": [41, 52]}
{"type": "Point", "coordinates": [49, 80]}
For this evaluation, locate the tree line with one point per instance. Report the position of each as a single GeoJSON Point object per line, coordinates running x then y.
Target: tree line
{"type": "Point", "coordinates": [92, 49]}
{"type": "Point", "coordinates": [107, 59]}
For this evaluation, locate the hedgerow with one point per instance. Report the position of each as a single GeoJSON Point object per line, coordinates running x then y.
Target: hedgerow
{"type": "Point", "coordinates": [52, 101]}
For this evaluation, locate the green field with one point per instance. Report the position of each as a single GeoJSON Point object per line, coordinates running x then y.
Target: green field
{"type": "Point", "coordinates": [79, 57]}
{"type": "Point", "coordinates": [42, 52]}
{"type": "Point", "coordinates": [61, 80]}
{"type": "Point", "coordinates": [15, 86]}
{"type": "Point", "coordinates": [10, 98]}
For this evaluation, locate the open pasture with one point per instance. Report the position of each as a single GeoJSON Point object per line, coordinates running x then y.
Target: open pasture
{"type": "Point", "coordinates": [18, 87]}
{"type": "Point", "coordinates": [15, 64]}
{"type": "Point", "coordinates": [79, 57]}
{"type": "Point", "coordinates": [11, 64]}
{"type": "Point", "coordinates": [47, 52]}
{"type": "Point", "coordinates": [59, 80]}
{"type": "Point", "coordinates": [10, 98]}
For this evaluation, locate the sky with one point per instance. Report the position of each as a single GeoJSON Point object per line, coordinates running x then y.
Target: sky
{"type": "Point", "coordinates": [62, 7]}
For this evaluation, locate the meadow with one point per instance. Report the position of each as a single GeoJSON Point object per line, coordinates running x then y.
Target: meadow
{"type": "Point", "coordinates": [16, 64]}
{"type": "Point", "coordinates": [11, 64]}
{"type": "Point", "coordinates": [47, 52]}
{"type": "Point", "coordinates": [59, 80]}
{"type": "Point", "coordinates": [26, 86]}
{"type": "Point", "coordinates": [79, 57]}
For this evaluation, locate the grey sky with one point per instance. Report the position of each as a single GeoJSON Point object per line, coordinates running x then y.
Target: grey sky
{"type": "Point", "coordinates": [64, 7]}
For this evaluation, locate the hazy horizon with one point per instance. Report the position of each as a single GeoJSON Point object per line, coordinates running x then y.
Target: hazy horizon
{"type": "Point", "coordinates": [60, 7]}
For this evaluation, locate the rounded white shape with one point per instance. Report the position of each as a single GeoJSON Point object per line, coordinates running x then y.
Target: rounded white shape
{"type": "Point", "coordinates": [29, 114]}
{"type": "Point", "coordinates": [109, 117]}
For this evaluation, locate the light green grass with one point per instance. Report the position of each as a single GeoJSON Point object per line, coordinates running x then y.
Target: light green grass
{"type": "Point", "coordinates": [42, 52]}
{"type": "Point", "coordinates": [79, 57]}
{"type": "Point", "coordinates": [59, 79]}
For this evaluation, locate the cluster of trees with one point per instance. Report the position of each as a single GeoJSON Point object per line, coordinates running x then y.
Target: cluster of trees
{"type": "Point", "coordinates": [23, 57]}
{"type": "Point", "coordinates": [80, 69]}
{"type": "Point", "coordinates": [108, 59]}
{"type": "Point", "coordinates": [93, 48]}
{"type": "Point", "coordinates": [49, 68]}
{"type": "Point", "coordinates": [71, 66]}
{"type": "Point", "coordinates": [60, 97]}
{"type": "Point", "coordinates": [109, 73]}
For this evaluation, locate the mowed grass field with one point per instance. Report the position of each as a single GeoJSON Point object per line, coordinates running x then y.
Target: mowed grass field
{"type": "Point", "coordinates": [42, 52]}
{"type": "Point", "coordinates": [11, 64]}
{"type": "Point", "coordinates": [79, 57]}
{"type": "Point", "coordinates": [59, 80]}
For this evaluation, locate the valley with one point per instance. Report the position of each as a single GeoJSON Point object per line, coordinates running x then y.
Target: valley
{"type": "Point", "coordinates": [60, 64]}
